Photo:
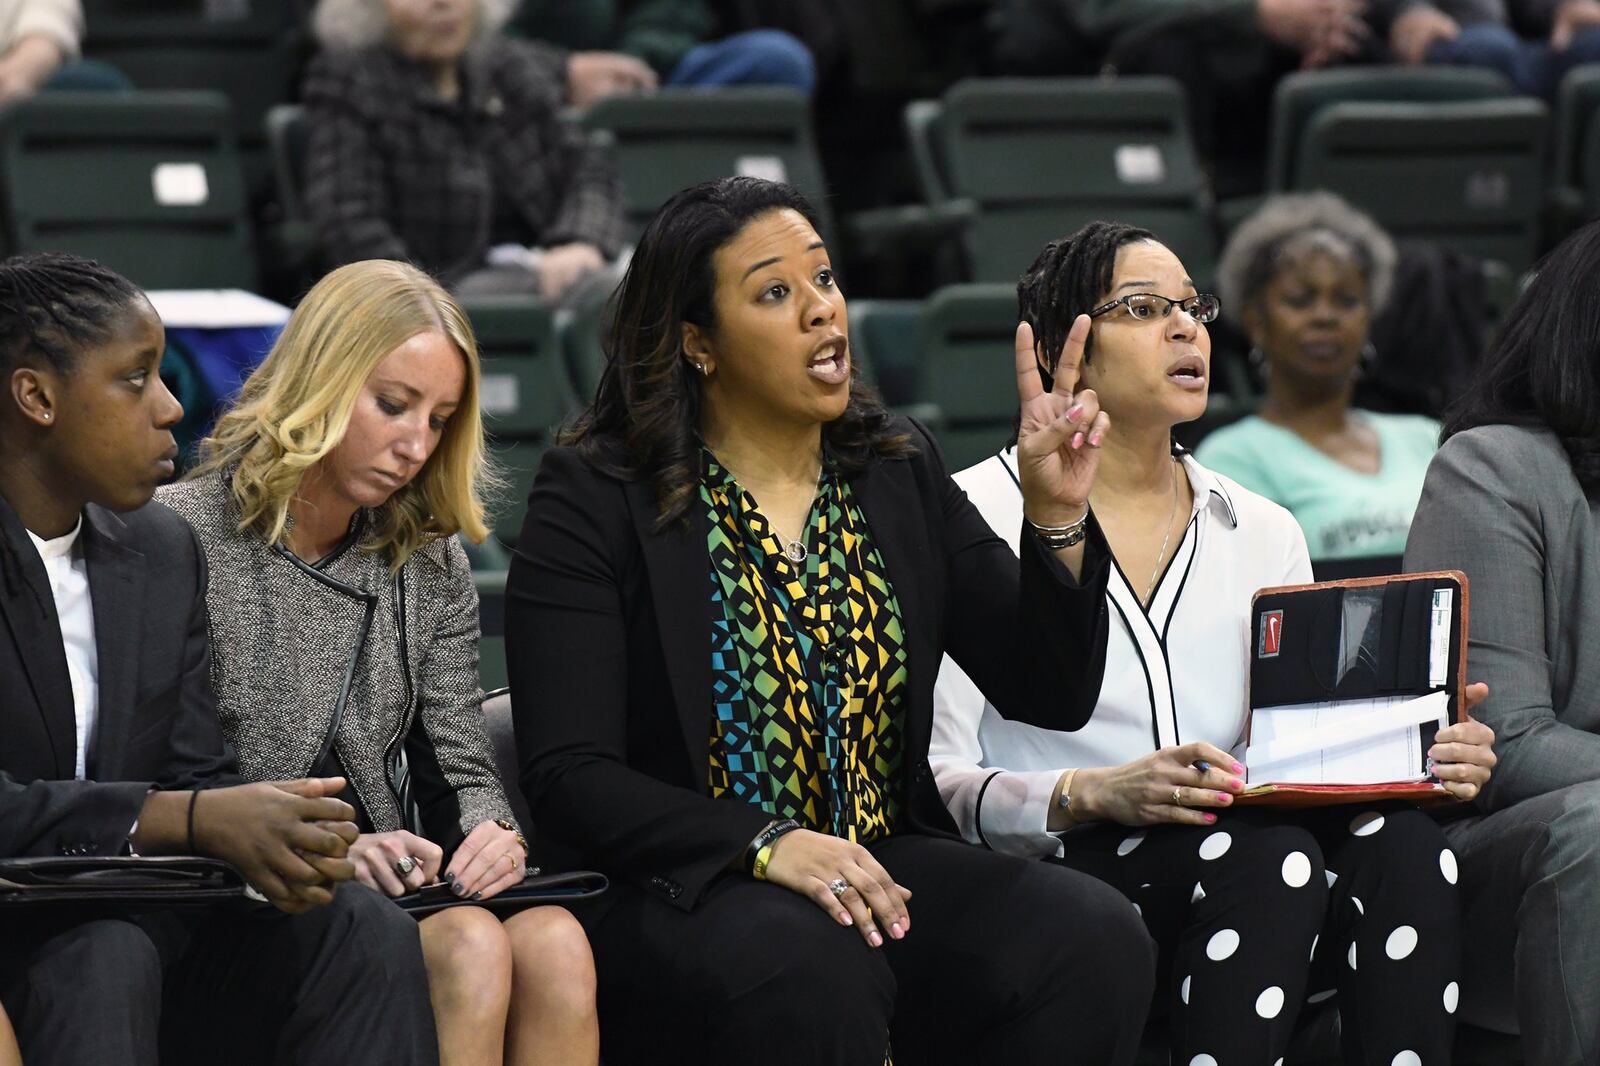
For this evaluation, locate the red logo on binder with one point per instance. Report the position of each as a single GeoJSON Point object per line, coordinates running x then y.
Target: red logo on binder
{"type": "Point", "coordinates": [1271, 634]}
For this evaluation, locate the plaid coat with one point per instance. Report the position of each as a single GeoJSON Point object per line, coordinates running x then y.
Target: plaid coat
{"type": "Point", "coordinates": [395, 172]}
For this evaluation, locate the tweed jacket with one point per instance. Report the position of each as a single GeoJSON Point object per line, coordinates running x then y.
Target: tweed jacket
{"type": "Point", "coordinates": [395, 172]}
{"type": "Point", "coordinates": [345, 651]}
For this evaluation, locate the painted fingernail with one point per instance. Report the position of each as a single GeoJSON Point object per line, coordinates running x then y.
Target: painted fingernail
{"type": "Point", "coordinates": [896, 932]}
{"type": "Point", "coordinates": [1210, 818]}
{"type": "Point", "coordinates": [844, 918]}
{"type": "Point", "coordinates": [1074, 412]}
{"type": "Point", "coordinates": [477, 895]}
{"type": "Point", "coordinates": [875, 939]}
{"type": "Point", "coordinates": [1234, 782]}
{"type": "Point", "coordinates": [458, 888]}
{"type": "Point", "coordinates": [1077, 440]}
{"type": "Point", "coordinates": [450, 878]}
{"type": "Point", "coordinates": [1097, 439]}
{"type": "Point", "coordinates": [1238, 768]}
{"type": "Point", "coordinates": [1223, 797]}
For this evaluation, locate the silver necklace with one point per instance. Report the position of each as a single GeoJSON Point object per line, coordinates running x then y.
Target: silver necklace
{"type": "Point", "coordinates": [1149, 590]}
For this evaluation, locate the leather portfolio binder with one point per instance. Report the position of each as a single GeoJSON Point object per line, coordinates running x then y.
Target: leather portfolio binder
{"type": "Point", "coordinates": [1349, 682]}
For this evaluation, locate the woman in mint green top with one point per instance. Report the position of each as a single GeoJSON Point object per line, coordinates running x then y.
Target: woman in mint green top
{"type": "Point", "coordinates": [1308, 272]}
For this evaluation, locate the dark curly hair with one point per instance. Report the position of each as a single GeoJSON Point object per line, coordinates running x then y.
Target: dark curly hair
{"type": "Point", "coordinates": [644, 419]}
{"type": "Point", "coordinates": [1544, 367]}
{"type": "Point", "coordinates": [53, 306]}
{"type": "Point", "coordinates": [1068, 279]}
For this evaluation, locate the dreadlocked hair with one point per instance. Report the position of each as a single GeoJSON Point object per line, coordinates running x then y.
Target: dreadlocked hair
{"type": "Point", "coordinates": [1068, 279]}
{"type": "Point", "coordinates": [53, 305]}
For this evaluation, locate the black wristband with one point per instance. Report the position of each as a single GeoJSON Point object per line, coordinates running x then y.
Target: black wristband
{"type": "Point", "coordinates": [773, 831]}
{"type": "Point", "coordinates": [194, 798]}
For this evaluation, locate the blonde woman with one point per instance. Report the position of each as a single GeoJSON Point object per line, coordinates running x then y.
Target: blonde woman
{"type": "Point", "coordinates": [344, 629]}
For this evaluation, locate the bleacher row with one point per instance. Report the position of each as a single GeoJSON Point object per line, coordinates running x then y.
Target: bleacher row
{"type": "Point", "coordinates": [161, 184]}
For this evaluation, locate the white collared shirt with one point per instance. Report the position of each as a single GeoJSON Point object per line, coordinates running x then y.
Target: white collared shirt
{"type": "Point", "coordinates": [69, 585]}
{"type": "Point", "coordinates": [1176, 671]}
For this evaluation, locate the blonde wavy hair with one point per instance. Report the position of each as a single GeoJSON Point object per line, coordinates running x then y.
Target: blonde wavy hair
{"type": "Point", "coordinates": [295, 408]}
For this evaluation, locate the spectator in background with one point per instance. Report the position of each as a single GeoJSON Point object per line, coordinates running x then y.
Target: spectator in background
{"type": "Point", "coordinates": [39, 41]}
{"type": "Point", "coordinates": [671, 37]}
{"type": "Point", "coordinates": [1307, 272]}
{"type": "Point", "coordinates": [1513, 500]}
{"type": "Point", "coordinates": [433, 138]}
{"type": "Point", "coordinates": [1482, 33]}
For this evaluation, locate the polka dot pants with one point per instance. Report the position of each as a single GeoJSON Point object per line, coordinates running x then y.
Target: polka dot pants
{"type": "Point", "coordinates": [1264, 911]}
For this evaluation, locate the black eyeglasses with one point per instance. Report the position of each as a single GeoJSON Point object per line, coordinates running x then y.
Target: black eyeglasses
{"type": "Point", "coordinates": [1146, 305]}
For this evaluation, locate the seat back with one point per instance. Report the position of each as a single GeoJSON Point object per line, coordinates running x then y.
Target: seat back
{"type": "Point", "coordinates": [286, 148]}
{"type": "Point", "coordinates": [1301, 95]}
{"type": "Point", "coordinates": [148, 183]}
{"type": "Point", "coordinates": [248, 51]}
{"type": "Point", "coordinates": [967, 369]}
{"type": "Point", "coordinates": [669, 140]}
{"type": "Point", "coordinates": [1468, 175]}
{"type": "Point", "coordinates": [1041, 157]}
{"type": "Point", "coordinates": [497, 722]}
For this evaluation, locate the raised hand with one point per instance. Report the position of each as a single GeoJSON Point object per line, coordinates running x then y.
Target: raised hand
{"type": "Point", "coordinates": [807, 862]}
{"type": "Point", "coordinates": [1059, 434]}
{"type": "Point", "coordinates": [377, 857]}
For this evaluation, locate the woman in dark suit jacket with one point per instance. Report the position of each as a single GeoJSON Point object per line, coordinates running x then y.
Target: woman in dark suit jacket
{"type": "Point", "coordinates": [705, 702]}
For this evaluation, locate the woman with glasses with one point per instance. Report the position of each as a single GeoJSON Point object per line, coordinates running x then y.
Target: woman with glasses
{"type": "Point", "coordinates": [1254, 912]}
{"type": "Point", "coordinates": [1305, 274]}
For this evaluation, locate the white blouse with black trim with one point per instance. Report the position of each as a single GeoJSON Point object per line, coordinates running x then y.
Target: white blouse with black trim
{"type": "Point", "coordinates": [1176, 670]}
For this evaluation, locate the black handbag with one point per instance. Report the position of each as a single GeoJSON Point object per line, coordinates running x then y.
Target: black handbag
{"type": "Point", "coordinates": [569, 886]}
{"type": "Point", "coordinates": [123, 880]}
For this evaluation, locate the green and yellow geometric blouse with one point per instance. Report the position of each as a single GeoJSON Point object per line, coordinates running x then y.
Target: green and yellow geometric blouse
{"type": "Point", "coordinates": [808, 664]}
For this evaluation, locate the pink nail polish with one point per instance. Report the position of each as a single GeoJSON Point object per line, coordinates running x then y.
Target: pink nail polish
{"type": "Point", "coordinates": [1235, 782]}
{"type": "Point", "coordinates": [896, 932]}
{"type": "Point", "coordinates": [1210, 818]}
{"type": "Point", "coordinates": [875, 939]}
{"type": "Point", "coordinates": [1097, 439]}
{"type": "Point", "coordinates": [844, 918]}
{"type": "Point", "coordinates": [1075, 412]}
{"type": "Point", "coordinates": [1223, 797]}
{"type": "Point", "coordinates": [1077, 440]}
{"type": "Point", "coordinates": [1238, 768]}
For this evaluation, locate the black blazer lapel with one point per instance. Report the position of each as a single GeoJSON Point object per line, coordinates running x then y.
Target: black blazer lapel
{"type": "Point", "coordinates": [887, 493]}
{"type": "Point", "coordinates": [678, 566]}
{"type": "Point", "coordinates": [116, 587]}
{"type": "Point", "coordinates": [29, 609]}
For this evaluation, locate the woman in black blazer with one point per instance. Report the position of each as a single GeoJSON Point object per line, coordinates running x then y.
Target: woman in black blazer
{"type": "Point", "coordinates": [705, 703]}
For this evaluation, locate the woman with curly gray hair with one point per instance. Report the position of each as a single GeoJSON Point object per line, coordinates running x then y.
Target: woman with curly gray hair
{"type": "Point", "coordinates": [1305, 274]}
{"type": "Point", "coordinates": [433, 138]}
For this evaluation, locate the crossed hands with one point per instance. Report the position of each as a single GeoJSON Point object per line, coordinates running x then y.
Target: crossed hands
{"type": "Point", "coordinates": [290, 839]}
{"type": "Point", "coordinates": [489, 861]}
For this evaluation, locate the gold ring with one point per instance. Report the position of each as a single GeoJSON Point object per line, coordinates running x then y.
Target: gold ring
{"type": "Point", "coordinates": [1177, 800]}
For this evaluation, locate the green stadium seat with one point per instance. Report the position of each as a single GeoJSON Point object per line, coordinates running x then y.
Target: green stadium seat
{"type": "Point", "coordinates": [1301, 95]}
{"type": "Point", "coordinates": [1039, 157]}
{"type": "Point", "coordinates": [491, 586]}
{"type": "Point", "coordinates": [885, 343]}
{"type": "Point", "coordinates": [517, 461]}
{"type": "Point", "coordinates": [251, 57]}
{"type": "Point", "coordinates": [1576, 179]}
{"type": "Point", "coordinates": [968, 372]}
{"type": "Point", "coordinates": [148, 183]}
{"type": "Point", "coordinates": [1468, 175]}
{"type": "Point", "coordinates": [668, 140]}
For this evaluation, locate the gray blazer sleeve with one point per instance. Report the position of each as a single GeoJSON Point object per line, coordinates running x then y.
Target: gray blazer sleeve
{"type": "Point", "coordinates": [1501, 504]}
{"type": "Point", "coordinates": [448, 748]}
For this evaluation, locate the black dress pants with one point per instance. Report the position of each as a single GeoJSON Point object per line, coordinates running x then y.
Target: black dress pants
{"type": "Point", "coordinates": [1264, 911]}
{"type": "Point", "coordinates": [1008, 961]}
{"type": "Point", "coordinates": [339, 985]}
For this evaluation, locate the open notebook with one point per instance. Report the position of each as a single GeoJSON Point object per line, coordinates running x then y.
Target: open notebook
{"type": "Point", "coordinates": [1349, 682]}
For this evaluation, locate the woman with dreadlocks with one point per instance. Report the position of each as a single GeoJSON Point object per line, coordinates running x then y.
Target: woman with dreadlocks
{"type": "Point", "coordinates": [1252, 912]}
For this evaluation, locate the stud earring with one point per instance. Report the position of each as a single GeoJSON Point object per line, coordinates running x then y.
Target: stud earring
{"type": "Point", "coordinates": [47, 416]}
{"type": "Point", "coordinates": [702, 368]}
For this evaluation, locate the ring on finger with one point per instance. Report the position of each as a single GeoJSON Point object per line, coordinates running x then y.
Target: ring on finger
{"type": "Point", "coordinates": [404, 865]}
{"type": "Point", "coordinates": [510, 857]}
{"type": "Point", "coordinates": [1177, 796]}
{"type": "Point", "coordinates": [838, 886]}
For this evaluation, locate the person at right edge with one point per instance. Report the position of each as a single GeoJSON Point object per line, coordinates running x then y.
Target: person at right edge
{"type": "Point", "coordinates": [1513, 500]}
{"type": "Point", "coordinates": [729, 601]}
